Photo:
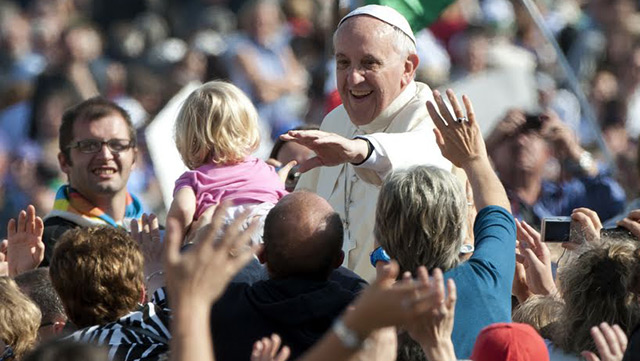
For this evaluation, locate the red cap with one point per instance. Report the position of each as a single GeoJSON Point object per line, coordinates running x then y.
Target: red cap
{"type": "Point", "coordinates": [509, 342]}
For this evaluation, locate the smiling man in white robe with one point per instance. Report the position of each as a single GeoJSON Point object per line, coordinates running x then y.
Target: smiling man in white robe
{"type": "Point", "coordinates": [381, 126]}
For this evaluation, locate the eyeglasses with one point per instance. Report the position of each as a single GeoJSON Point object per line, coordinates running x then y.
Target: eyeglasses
{"type": "Point", "coordinates": [89, 146]}
{"type": "Point", "coordinates": [7, 353]}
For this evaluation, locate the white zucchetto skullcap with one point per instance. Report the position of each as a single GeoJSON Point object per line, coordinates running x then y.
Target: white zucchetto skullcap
{"type": "Point", "coordinates": [383, 13]}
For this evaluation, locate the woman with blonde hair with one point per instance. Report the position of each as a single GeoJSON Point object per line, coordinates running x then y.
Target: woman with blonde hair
{"type": "Point", "coordinates": [216, 131]}
{"type": "Point", "coordinates": [19, 321]}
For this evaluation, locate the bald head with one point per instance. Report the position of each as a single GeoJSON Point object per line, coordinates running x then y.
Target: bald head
{"type": "Point", "coordinates": [303, 237]}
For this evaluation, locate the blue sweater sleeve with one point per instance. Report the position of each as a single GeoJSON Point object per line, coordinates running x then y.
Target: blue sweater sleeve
{"type": "Point", "coordinates": [484, 281]}
{"type": "Point", "coordinates": [495, 241]}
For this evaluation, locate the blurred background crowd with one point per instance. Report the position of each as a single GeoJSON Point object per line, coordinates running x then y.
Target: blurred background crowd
{"type": "Point", "coordinates": [140, 53]}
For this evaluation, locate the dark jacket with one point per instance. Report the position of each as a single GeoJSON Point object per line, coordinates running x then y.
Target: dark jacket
{"type": "Point", "coordinates": [299, 310]}
{"type": "Point", "coordinates": [54, 228]}
{"type": "Point", "coordinates": [633, 349]}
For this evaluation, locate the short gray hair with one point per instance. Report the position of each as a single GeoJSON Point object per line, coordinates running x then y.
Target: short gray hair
{"type": "Point", "coordinates": [401, 42]}
{"type": "Point", "coordinates": [421, 218]}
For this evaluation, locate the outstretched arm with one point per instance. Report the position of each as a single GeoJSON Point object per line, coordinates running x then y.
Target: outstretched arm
{"type": "Point", "coordinates": [460, 141]}
{"type": "Point", "coordinates": [197, 277]}
{"type": "Point", "coordinates": [385, 304]}
{"type": "Point", "coordinates": [182, 211]}
{"type": "Point", "coordinates": [331, 149]}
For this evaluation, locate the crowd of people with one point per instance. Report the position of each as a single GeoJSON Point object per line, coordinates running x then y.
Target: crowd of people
{"type": "Point", "coordinates": [382, 226]}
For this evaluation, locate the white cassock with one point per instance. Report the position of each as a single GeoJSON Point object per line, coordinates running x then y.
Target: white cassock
{"type": "Point", "coordinates": [402, 136]}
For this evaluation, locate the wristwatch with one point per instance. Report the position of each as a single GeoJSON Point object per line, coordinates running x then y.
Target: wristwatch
{"type": "Point", "coordinates": [582, 166]}
{"type": "Point", "coordinates": [347, 337]}
{"type": "Point", "coordinates": [370, 149]}
{"type": "Point", "coordinates": [586, 162]}
{"type": "Point", "coordinates": [379, 254]}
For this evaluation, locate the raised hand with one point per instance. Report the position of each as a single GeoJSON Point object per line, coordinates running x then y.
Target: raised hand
{"type": "Point", "coordinates": [611, 343]}
{"type": "Point", "coordinates": [331, 149]}
{"type": "Point", "coordinates": [507, 127]}
{"type": "Point", "coordinates": [148, 237]}
{"type": "Point", "coordinates": [201, 273]}
{"type": "Point", "coordinates": [520, 288]}
{"type": "Point", "coordinates": [432, 329]}
{"type": "Point", "coordinates": [390, 303]}
{"type": "Point", "coordinates": [458, 135]}
{"type": "Point", "coordinates": [198, 276]}
{"type": "Point", "coordinates": [535, 257]}
{"type": "Point", "coordinates": [585, 228]}
{"type": "Point", "coordinates": [268, 349]}
{"type": "Point", "coordinates": [632, 223]}
{"type": "Point", "coordinates": [460, 141]}
{"type": "Point", "coordinates": [4, 265]}
{"type": "Point", "coordinates": [25, 249]}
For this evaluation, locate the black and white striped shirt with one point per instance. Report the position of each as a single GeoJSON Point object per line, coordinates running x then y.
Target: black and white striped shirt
{"type": "Point", "coordinates": [141, 335]}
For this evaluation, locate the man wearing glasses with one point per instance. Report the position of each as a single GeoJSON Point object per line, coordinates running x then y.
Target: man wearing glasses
{"type": "Point", "coordinates": [97, 152]}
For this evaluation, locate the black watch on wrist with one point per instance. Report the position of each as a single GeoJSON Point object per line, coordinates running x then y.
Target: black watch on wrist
{"type": "Point", "coordinates": [370, 149]}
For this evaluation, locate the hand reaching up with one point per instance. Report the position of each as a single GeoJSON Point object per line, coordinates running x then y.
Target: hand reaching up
{"type": "Point", "coordinates": [585, 228]}
{"type": "Point", "coordinates": [4, 265]}
{"type": "Point", "coordinates": [148, 237]}
{"type": "Point", "coordinates": [632, 222]}
{"type": "Point", "coordinates": [458, 135]}
{"type": "Point", "coordinates": [535, 257]}
{"type": "Point", "coordinates": [387, 303]}
{"type": "Point", "coordinates": [202, 272]}
{"type": "Point", "coordinates": [460, 141]}
{"type": "Point", "coordinates": [390, 303]}
{"type": "Point", "coordinates": [198, 276]}
{"type": "Point", "coordinates": [611, 343]}
{"type": "Point", "coordinates": [432, 329]}
{"type": "Point", "coordinates": [25, 249]}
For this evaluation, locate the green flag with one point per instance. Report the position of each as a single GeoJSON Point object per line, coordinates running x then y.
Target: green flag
{"type": "Point", "coordinates": [419, 13]}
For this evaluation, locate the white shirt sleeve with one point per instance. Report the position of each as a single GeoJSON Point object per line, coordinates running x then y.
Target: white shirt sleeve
{"type": "Point", "coordinates": [378, 161]}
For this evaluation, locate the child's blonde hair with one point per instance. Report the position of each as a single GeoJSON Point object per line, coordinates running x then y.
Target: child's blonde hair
{"type": "Point", "coordinates": [217, 123]}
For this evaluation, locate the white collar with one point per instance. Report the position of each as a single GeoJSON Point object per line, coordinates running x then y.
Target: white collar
{"type": "Point", "coordinates": [382, 121]}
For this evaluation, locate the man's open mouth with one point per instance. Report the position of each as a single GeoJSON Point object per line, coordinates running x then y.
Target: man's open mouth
{"type": "Point", "coordinates": [359, 94]}
{"type": "Point", "coordinates": [104, 171]}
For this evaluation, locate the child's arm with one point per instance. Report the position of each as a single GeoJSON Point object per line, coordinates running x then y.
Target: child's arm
{"type": "Point", "coordinates": [182, 209]}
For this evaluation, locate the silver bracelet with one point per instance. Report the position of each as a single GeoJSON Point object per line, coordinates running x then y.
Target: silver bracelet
{"type": "Point", "coordinates": [348, 338]}
{"type": "Point", "coordinates": [153, 274]}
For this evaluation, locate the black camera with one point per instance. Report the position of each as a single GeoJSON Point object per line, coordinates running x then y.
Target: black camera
{"type": "Point", "coordinates": [556, 229]}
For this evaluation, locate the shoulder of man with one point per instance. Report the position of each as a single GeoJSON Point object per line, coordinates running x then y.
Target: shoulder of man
{"type": "Point", "coordinates": [57, 222]}
{"type": "Point", "coordinates": [54, 228]}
